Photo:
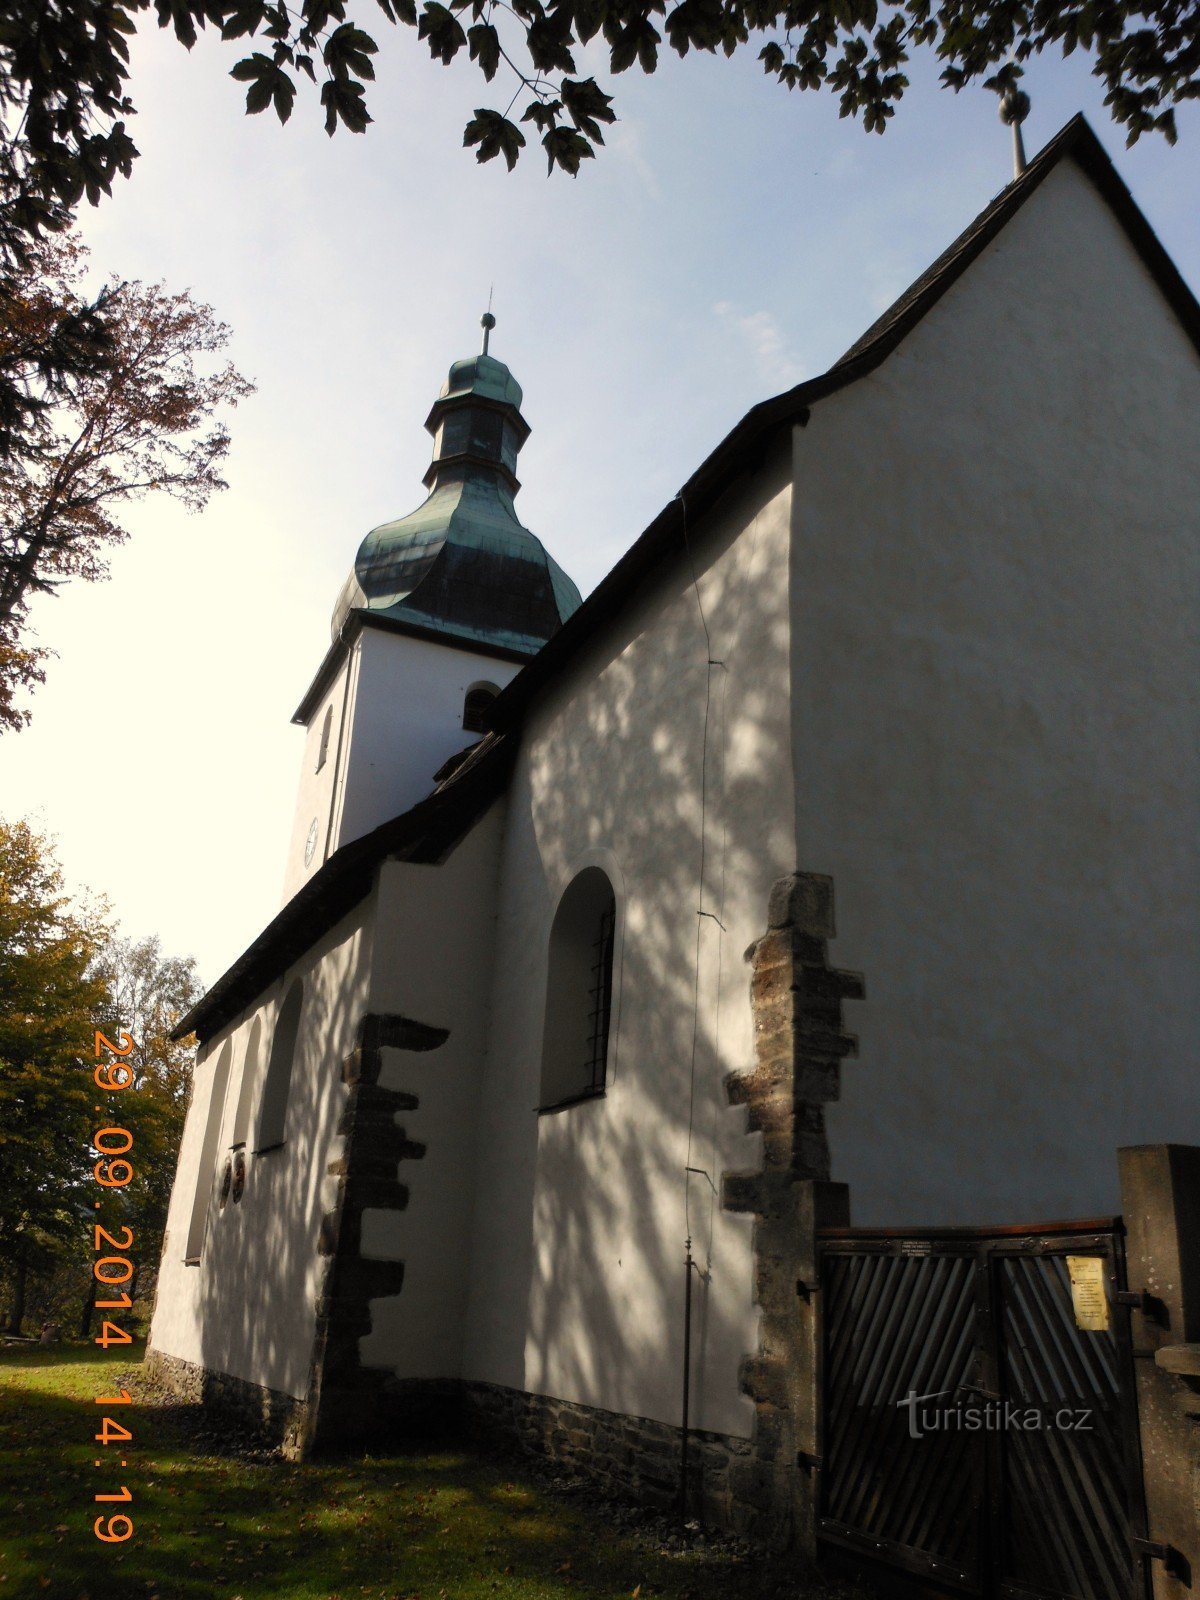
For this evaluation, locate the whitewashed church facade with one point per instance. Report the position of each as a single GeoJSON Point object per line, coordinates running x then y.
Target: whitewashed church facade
{"type": "Point", "coordinates": [921, 633]}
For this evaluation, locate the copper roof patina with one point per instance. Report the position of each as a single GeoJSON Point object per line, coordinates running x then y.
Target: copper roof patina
{"type": "Point", "coordinates": [462, 564]}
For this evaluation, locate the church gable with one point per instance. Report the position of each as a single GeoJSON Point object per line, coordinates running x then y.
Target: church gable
{"type": "Point", "coordinates": [995, 554]}
{"type": "Point", "coordinates": [1064, 305]}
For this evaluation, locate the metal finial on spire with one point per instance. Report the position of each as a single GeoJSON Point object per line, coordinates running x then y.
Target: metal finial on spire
{"type": "Point", "coordinates": [1014, 108]}
{"type": "Point", "coordinates": [487, 322]}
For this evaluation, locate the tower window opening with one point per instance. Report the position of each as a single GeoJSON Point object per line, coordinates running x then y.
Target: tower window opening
{"type": "Point", "coordinates": [579, 985]}
{"type": "Point", "coordinates": [326, 730]}
{"type": "Point", "coordinates": [475, 706]}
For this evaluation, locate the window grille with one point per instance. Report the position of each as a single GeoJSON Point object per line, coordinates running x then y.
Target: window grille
{"type": "Point", "coordinates": [600, 995]}
{"type": "Point", "coordinates": [579, 992]}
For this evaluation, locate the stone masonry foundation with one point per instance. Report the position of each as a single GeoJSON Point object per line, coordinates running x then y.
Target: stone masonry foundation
{"type": "Point", "coordinates": [275, 1415]}
{"type": "Point", "coordinates": [625, 1456]}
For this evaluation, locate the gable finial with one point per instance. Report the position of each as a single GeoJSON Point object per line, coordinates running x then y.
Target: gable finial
{"type": "Point", "coordinates": [1014, 108]}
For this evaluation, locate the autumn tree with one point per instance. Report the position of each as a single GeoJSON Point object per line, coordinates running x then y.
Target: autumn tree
{"type": "Point", "coordinates": [133, 408]}
{"type": "Point", "coordinates": [51, 997]}
{"type": "Point", "coordinates": [63, 974]}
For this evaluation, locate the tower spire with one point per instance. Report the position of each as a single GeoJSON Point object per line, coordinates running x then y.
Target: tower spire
{"type": "Point", "coordinates": [487, 322]}
{"type": "Point", "coordinates": [1014, 108]}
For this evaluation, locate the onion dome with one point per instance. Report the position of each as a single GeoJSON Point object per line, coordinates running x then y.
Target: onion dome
{"type": "Point", "coordinates": [462, 564]}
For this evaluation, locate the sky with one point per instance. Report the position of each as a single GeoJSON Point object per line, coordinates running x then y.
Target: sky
{"type": "Point", "coordinates": [731, 240]}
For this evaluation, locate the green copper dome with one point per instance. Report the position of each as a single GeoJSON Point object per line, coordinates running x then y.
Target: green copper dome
{"type": "Point", "coordinates": [462, 564]}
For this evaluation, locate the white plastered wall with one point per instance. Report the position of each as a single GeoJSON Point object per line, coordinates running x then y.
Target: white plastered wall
{"type": "Point", "coordinates": [407, 721]}
{"type": "Point", "coordinates": [997, 656]}
{"type": "Point", "coordinates": [578, 1259]}
{"type": "Point", "coordinates": [249, 1307]}
{"type": "Point", "coordinates": [434, 945]}
{"type": "Point", "coordinates": [397, 717]}
{"type": "Point", "coordinates": [316, 790]}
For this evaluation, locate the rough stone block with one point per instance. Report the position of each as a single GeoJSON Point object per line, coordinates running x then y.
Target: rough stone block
{"type": "Point", "coordinates": [803, 900]}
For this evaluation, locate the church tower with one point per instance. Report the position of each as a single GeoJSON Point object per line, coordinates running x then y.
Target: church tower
{"type": "Point", "coordinates": [441, 609]}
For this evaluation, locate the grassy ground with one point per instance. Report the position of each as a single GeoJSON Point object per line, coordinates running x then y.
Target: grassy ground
{"type": "Point", "coordinates": [444, 1525]}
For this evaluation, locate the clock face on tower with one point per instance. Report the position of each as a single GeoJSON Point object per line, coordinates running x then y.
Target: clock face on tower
{"type": "Point", "coordinates": [310, 844]}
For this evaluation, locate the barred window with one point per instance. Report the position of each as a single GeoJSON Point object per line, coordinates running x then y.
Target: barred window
{"type": "Point", "coordinates": [579, 991]}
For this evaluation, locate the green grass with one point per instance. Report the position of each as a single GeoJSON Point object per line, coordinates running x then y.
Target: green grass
{"type": "Point", "coordinates": [445, 1524]}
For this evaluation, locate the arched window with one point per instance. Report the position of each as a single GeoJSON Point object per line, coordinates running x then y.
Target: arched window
{"type": "Point", "coordinates": [475, 706]}
{"type": "Point", "coordinates": [579, 991]}
{"type": "Point", "coordinates": [208, 1156]}
{"type": "Point", "coordinates": [245, 1103]}
{"type": "Point", "coordinates": [272, 1113]}
{"type": "Point", "coordinates": [326, 730]}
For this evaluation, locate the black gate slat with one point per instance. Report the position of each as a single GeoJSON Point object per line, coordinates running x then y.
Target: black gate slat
{"type": "Point", "coordinates": [1109, 1453]}
{"type": "Point", "coordinates": [1108, 1456]}
{"type": "Point", "coordinates": [934, 1332]}
{"type": "Point", "coordinates": [1047, 1360]}
{"type": "Point", "coordinates": [935, 1357]}
{"type": "Point", "coordinates": [1065, 1467]}
{"type": "Point", "coordinates": [870, 1424]}
{"type": "Point", "coordinates": [934, 1459]}
{"type": "Point", "coordinates": [839, 1274]}
{"type": "Point", "coordinates": [1027, 1530]}
{"type": "Point", "coordinates": [1109, 1563]}
{"type": "Point", "coordinates": [848, 1382]}
{"type": "Point", "coordinates": [1057, 1561]}
{"type": "Point", "coordinates": [1056, 1322]}
{"type": "Point", "coordinates": [922, 1294]}
{"type": "Point", "coordinates": [857, 1273]}
{"type": "Point", "coordinates": [849, 1447]}
{"type": "Point", "coordinates": [1101, 1412]}
{"type": "Point", "coordinates": [948, 1367]}
{"type": "Point", "coordinates": [940, 1521]}
{"type": "Point", "coordinates": [867, 1302]}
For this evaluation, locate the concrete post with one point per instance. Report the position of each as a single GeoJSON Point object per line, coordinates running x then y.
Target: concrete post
{"type": "Point", "coordinates": [1160, 1196]}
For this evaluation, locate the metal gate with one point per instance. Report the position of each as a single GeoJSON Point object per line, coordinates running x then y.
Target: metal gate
{"type": "Point", "coordinates": [979, 1422]}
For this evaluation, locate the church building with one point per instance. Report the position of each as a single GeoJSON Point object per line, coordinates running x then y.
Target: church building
{"type": "Point", "coordinates": [837, 858]}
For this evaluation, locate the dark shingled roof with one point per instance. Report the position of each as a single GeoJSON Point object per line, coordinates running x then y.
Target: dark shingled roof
{"type": "Point", "coordinates": [430, 829]}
